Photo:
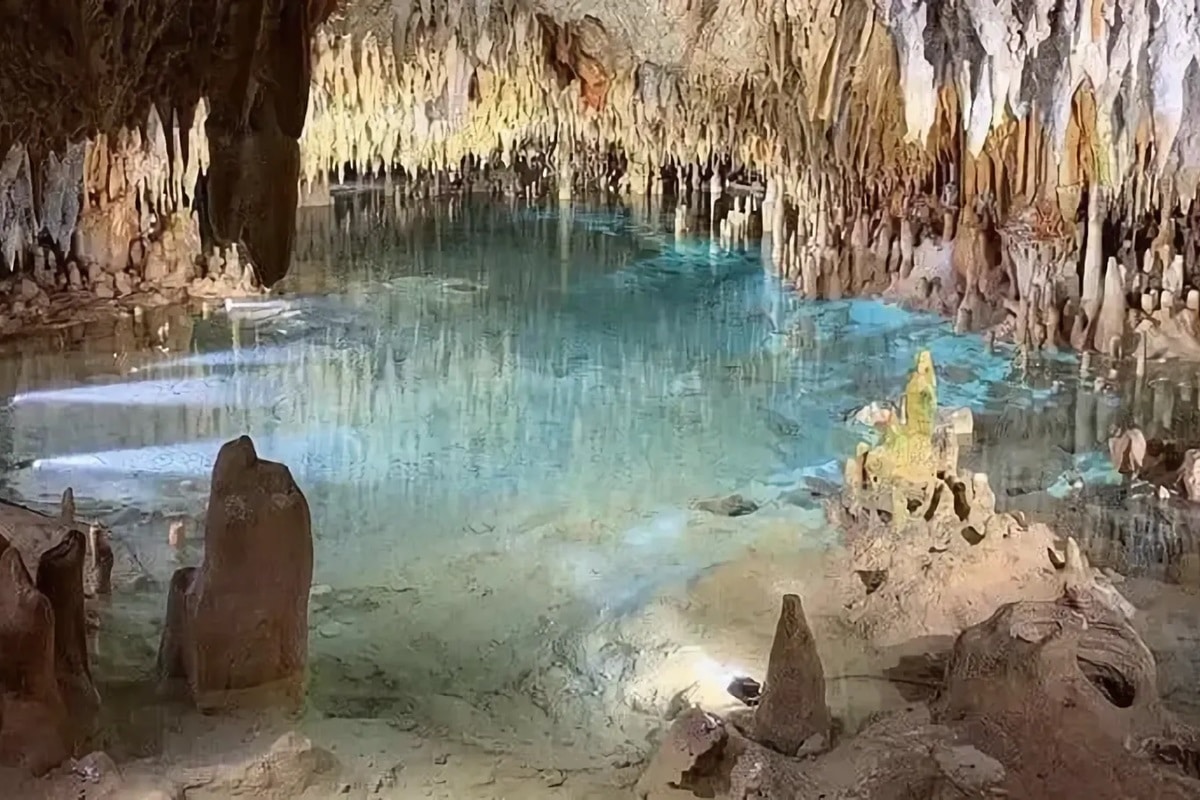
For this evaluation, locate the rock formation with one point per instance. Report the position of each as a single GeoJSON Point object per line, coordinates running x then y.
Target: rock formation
{"type": "Point", "coordinates": [236, 627]}
{"type": "Point", "coordinates": [34, 720]}
{"type": "Point", "coordinates": [1169, 464]}
{"type": "Point", "coordinates": [48, 702]}
{"type": "Point", "coordinates": [927, 553]}
{"type": "Point", "coordinates": [109, 117]}
{"type": "Point", "coordinates": [1043, 699]}
{"type": "Point", "coordinates": [60, 580]}
{"type": "Point", "coordinates": [792, 711]}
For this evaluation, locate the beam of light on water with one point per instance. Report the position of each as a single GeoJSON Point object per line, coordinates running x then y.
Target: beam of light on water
{"type": "Point", "coordinates": [214, 390]}
{"type": "Point", "coordinates": [263, 356]}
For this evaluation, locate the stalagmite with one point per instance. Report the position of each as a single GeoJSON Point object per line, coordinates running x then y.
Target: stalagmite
{"type": "Point", "coordinates": [793, 709]}
{"type": "Point", "coordinates": [34, 721]}
{"type": "Point", "coordinates": [237, 626]}
{"type": "Point", "coordinates": [1093, 259]}
{"type": "Point", "coordinates": [1109, 324]}
{"type": "Point", "coordinates": [60, 580]}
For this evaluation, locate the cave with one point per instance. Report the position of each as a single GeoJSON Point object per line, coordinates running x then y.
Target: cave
{"type": "Point", "coordinates": [440, 398]}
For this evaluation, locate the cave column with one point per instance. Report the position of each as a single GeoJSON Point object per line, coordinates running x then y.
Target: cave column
{"type": "Point", "coordinates": [716, 188]}
{"type": "Point", "coordinates": [778, 223]}
{"type": "Point", "coordinates": [656, 178]}
{"type": "Point", "coordinates": [768, 206]}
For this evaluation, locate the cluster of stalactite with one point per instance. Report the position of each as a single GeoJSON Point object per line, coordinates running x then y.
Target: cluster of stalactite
{"type": "Point", "coordinates": [115, 216]}
{"type": "Point", "coordinates": [1023, 167]}
{"type": "Point", "coordinates": [1040, 186]}
{"type": "Point", "coordinates": [1019, 190]}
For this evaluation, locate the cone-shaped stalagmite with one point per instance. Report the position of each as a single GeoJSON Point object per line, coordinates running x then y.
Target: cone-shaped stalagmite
{"type": "Point", "coordinates": [237, 626]}
{"type": "Point", "coordinates": [33, 718]}
{"type": "Point", "coordinates": [793, 708]}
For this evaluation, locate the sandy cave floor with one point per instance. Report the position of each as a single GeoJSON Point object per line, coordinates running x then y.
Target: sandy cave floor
{"type": "Point", "coordinates": [579, 724]}
{"type": "Point", "coordinates": [544, 713]}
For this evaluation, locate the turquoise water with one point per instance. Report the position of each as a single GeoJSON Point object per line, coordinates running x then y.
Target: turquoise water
{"type": "Point", "coordinates": [498, 366]}
{"type": "Point", "coordinates": [501, 418]}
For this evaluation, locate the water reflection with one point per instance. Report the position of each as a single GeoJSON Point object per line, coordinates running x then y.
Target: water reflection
{"type": "Point", "coordinates": [491, 363]}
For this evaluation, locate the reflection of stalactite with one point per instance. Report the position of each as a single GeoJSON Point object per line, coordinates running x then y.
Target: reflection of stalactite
{"type": "Point", "coordinates": [1127, 528]}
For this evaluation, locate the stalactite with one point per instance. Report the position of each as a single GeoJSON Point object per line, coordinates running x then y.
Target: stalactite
{"type": "Point", "coordinates": [941, 128]}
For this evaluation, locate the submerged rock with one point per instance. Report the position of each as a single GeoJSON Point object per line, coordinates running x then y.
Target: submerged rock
{"type": "Point", "coordinates": [732, 506]}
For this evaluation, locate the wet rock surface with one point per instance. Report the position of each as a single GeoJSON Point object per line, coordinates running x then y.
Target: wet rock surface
{"type": "Point", "coordinates": [733, 505]}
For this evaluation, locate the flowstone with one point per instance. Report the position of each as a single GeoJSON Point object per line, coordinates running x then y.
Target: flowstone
{"type": "Point", "coordinates": [927, 553]}
{"type": "Point", "coordinates": [901, 473]}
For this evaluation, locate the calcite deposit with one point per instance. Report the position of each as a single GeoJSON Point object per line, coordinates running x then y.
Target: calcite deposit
{"type": "Point", "coordinates": [1042, 699]}
{"type": "Point", "coordinates": [235, 631]}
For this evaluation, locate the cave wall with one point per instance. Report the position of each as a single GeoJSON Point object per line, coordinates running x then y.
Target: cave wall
{"type": "Point", "coordinates": [117, 106]}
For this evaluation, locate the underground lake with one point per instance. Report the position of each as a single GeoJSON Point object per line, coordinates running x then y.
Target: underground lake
{"type": "Point", "coordinates": [561, 462]}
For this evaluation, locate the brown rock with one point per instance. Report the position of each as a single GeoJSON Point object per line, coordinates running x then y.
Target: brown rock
{"type": "Point", "coordinates": [793, 708]}
{"type": "Point", "coordinates": [237, 626]}
{"type": "Point", "coordinates": [1043, 700]}
{"type": "Point", "coordinates": [33, 533]}
{"type": "Point", "coordinates": [1058, 692]}
{"type": "Point", "coordinates": [33, 717]}
{"type": "Point", "coordinates": [60, 580]}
